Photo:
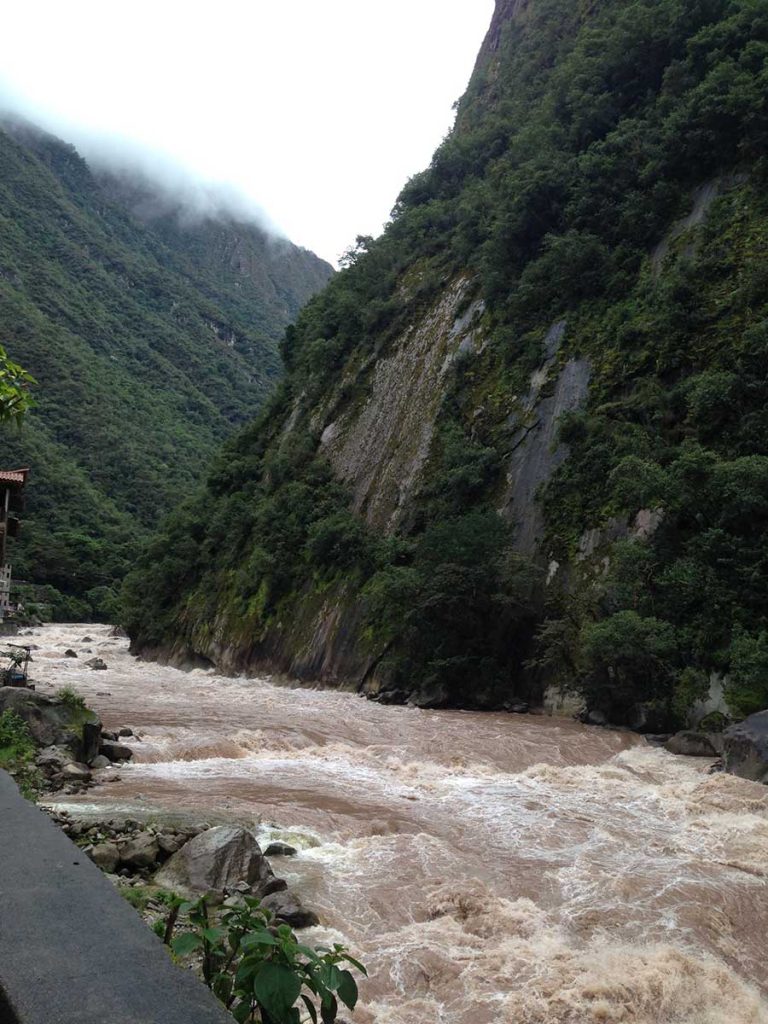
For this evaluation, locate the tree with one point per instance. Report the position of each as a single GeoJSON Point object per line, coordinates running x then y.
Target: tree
{"type": "Point", "coordinates": [15, 399]}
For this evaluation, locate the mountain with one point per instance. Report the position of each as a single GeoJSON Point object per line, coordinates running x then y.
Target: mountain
{"type": "Point", "coordinates": [522, 445]}
{"type": "Point", "coordinates": [150, 341]}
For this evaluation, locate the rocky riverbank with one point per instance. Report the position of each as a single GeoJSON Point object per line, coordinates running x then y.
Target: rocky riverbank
{"type": "Point", "coordinates": [153, 862]}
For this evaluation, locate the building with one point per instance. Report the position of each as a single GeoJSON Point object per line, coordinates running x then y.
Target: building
{"type": "Point", "coordinates": [12, 483]}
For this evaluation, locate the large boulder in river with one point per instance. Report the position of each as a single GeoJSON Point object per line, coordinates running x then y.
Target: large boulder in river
{"type": "Point", "coordinates": [746, 748]}
{"type": "Point", "coordinates": [215, 861]}
{"type": "Point", "coordinates": [691, 744]}
{"type": "Point", "coordinates": [288, 907]}
{"type": "Point", "coordinates": [115, 751]}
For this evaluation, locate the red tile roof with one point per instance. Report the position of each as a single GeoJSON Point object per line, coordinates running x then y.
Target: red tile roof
{"type": "Point", "coordinates": [13, 476]}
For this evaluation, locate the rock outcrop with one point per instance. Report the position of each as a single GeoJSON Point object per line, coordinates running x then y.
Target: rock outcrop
{"type": "Point", "coordinates": [746, 748]}
{"type": "Point", "coordinates": [53, 722]}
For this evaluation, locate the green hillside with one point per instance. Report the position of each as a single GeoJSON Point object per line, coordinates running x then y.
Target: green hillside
{"type": "Point", "coordinates": [145, 356]}
{"type": "Point", "coordinates": [566, 323]}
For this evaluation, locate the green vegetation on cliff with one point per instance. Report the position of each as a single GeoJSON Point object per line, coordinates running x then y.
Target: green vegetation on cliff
{"type": "Point", "coordinates": [146, 357]}
{"type": "Point", "coordinates": [607, 169]}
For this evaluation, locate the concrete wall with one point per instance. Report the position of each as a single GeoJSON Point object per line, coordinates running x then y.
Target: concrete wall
{"type": "Point", "coordinates": [72, 950]}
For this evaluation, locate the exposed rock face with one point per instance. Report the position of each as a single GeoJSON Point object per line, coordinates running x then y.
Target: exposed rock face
{"type": "Point", "coordinates": [535, 453]}
{"type": "Point", "coordinates": [381, 447]}
{"type": "Point", "coordinates": [216, 861]}
{"type": "Point", "coordinates": [746, 748]}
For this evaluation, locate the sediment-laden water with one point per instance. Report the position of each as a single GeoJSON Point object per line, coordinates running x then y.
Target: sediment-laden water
{"type": "Point", "coordinates": [489, 868]}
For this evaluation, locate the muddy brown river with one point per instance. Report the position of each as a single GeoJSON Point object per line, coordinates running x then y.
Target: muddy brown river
{"type": "Point", "coordinates": [488, 868]}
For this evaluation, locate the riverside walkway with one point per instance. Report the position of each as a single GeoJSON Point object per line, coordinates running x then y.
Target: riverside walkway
{"type": "Point", "coordinates": [72, 950]}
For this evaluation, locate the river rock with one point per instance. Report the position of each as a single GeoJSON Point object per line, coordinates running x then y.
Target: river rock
{"type": "Point", "coordinates": [124, 732]}
{"type": "Point", "coordinates": [96, 663]}
{"type": "Point", "coordinates": [86, 640]}
{"type": "Point", "coordinates": [75, 772]}
{"type": "Point", "coordinates": [288, 907]}
{"type": "Point", "coordinates": [70, 653]}
{"type": "Point", "coordinates": [215, 861]}
{"type": "Point", "coordinates": [115, 751]}
{"type": "Point", "coordinates": [691, 744]}
{"type": "Point", "coordinates": [280, 850]}
{"type": "Point", "coordinates": [105, 856]}
{"type": "Point", "coordinates": [140, 852]}
{"type": "Point", "coordinates": [170, 844]}
{"type": "Point", "coordinates": [53, 759]}
{"type": "Point", "coordinates": [746, 748]}
{"type": "Point", "coordinates": [100, 762]}
{"type": "Point", "coordinates": [274, 884]}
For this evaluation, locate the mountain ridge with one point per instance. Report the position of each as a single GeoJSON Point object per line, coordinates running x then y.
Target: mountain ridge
{"type": "Point", "coordinates": [548, 327]}
{"type": "Point", "coordinates": [144, 362]}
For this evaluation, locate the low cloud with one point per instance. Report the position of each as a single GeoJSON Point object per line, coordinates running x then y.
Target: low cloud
{"type": "Point", "coordinates": [152, 183]}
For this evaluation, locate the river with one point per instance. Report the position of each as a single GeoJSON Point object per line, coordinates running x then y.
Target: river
{"type": "Point", "coordinates": [488, 868]}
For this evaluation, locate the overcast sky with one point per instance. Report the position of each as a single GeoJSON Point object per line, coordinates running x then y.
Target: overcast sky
{"type": "Point", "coordinates": [317, 110]}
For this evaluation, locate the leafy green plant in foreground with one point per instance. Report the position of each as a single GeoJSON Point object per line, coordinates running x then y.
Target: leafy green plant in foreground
{"type": "Point", "coordinates": [259, 970]}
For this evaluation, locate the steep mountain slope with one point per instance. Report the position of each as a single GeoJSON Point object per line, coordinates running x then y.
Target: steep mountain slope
{"type": "Point", "coordinates": [147, 349]}
{"type": "Point", "coordinates": [523, 436]}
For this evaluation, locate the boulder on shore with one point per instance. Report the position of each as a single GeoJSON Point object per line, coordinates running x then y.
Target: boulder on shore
{"type": "Point", "coordinates": [215, 861]}
{"type": "Point", "coordinates": [691, 744]}
{"type": "Point", "coordinates": [140, 852]}
{"type": "Point", "coordinates": [105, 856]}
{"type": "Point", "coordinates": [746, 748]}
{"type": "Point", "coordinates": [75, 772]}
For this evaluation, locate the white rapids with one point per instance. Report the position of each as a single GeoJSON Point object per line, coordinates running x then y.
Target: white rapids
{"type": "Point", "coordinates": [489, 868]}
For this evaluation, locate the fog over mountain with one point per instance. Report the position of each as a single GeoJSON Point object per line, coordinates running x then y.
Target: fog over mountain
{"type": "Point", "coordinates": [314, 113]}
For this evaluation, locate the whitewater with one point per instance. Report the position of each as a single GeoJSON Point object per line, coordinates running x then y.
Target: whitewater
{"type": "Point", "coordinates": [488, 868]}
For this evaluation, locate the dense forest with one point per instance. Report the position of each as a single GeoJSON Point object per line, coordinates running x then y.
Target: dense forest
{"type": "Point", "coordinates": [606, 174]}
{"type": "Point", "coordinates": [148, 344]}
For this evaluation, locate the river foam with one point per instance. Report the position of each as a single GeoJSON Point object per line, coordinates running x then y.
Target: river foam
{"type": "Point", "coordinates": [490, 869]}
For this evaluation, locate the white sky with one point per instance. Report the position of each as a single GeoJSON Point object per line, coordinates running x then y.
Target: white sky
{"type": "Point", "coordinates": [318, 110]}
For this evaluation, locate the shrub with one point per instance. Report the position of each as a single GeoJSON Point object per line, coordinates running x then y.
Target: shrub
{"type": "Point", "coordinates": [628, 659]}
{"type": "Point", "coordinates": [747, 688]}
{"type": "Point", "coordinates": [258, 969]}
{"type": "Point", "coordinates": [17, 749]}
{"type": "Point", "coordinates": [69, 696]}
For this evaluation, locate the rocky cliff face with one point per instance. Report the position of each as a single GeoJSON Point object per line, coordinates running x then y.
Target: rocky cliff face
{"type": "Point", "coordinates": [495, 464]}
